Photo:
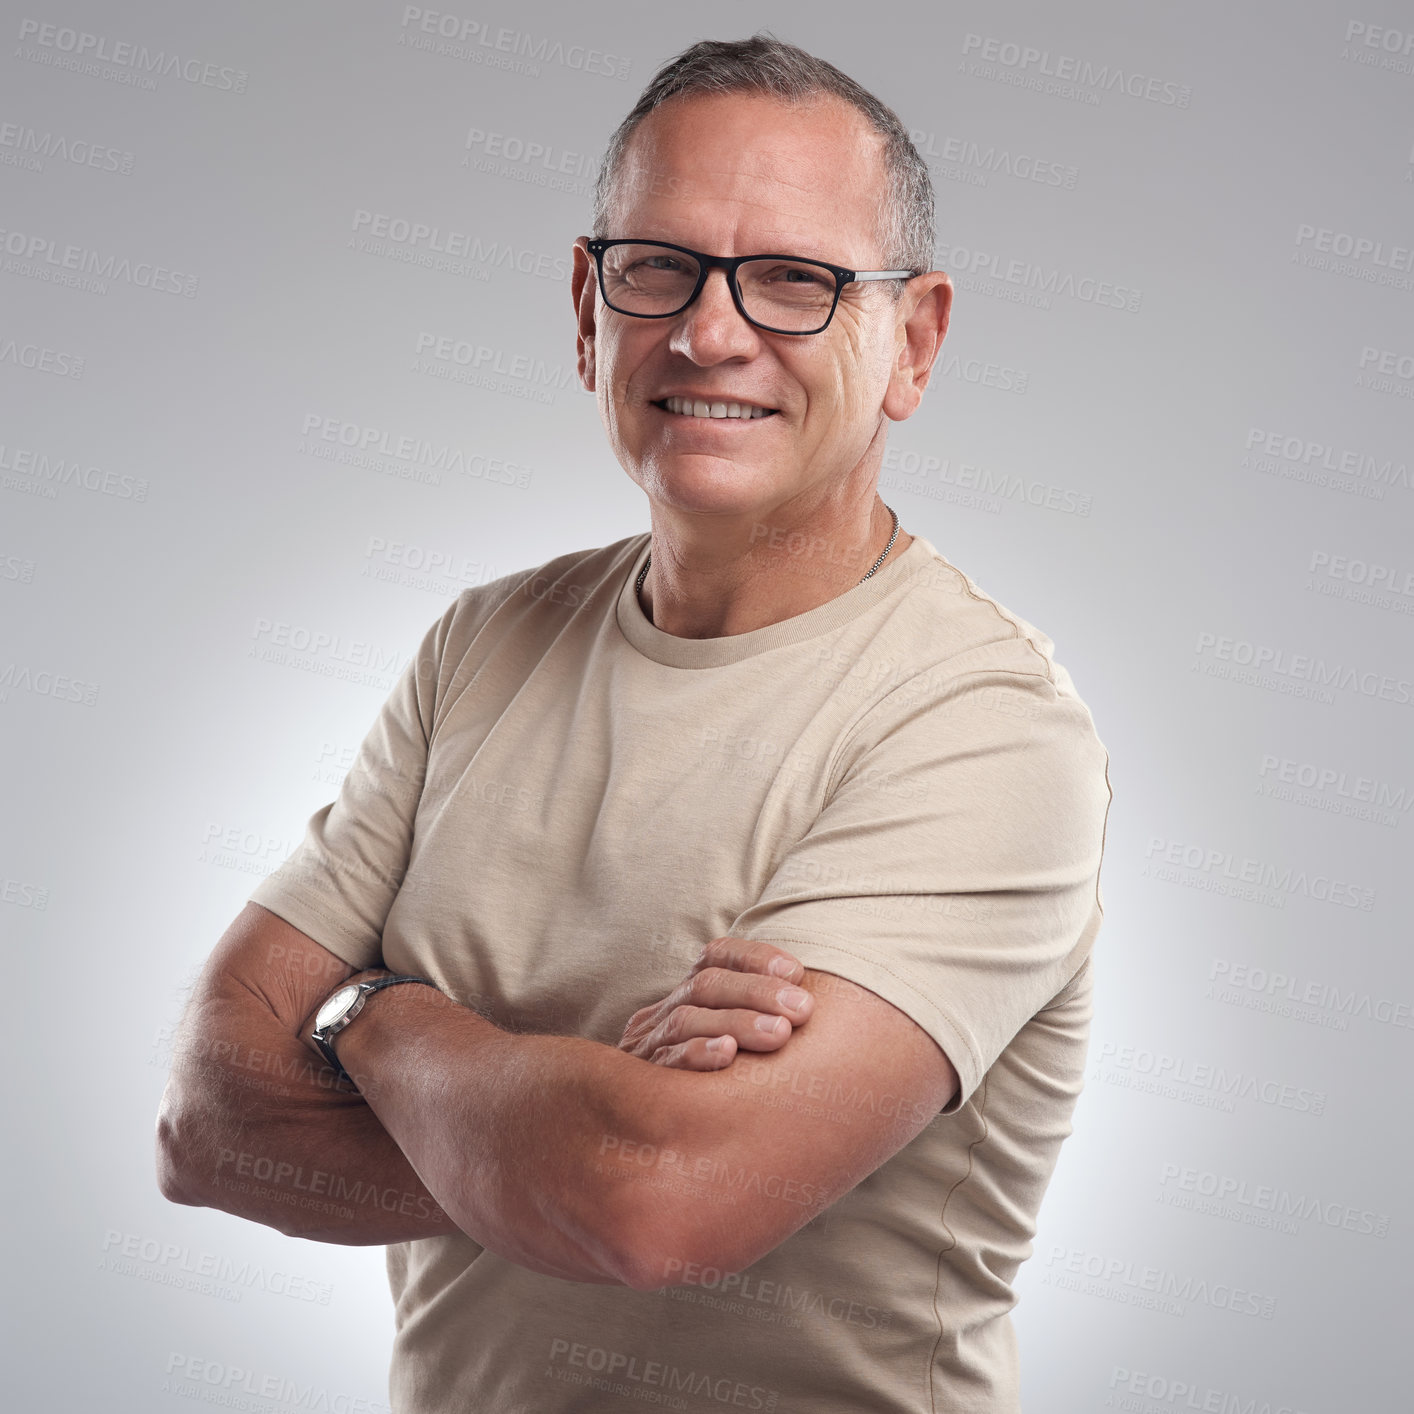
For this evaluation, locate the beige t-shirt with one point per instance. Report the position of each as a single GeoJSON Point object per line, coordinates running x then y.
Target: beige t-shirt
{"type": "Point", "coordinates": [560, 804]}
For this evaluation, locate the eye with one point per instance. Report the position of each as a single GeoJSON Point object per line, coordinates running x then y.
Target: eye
{"type": "Point", "coordinates": [777, 273]}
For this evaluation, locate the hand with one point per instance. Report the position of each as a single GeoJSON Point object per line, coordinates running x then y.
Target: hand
{"type": "Point", "coordinates": [733, 997]}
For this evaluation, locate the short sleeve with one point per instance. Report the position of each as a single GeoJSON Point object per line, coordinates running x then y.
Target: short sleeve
{"type": "Point", "coordinates": [340, 882]}
{"type": "Point", "coordinates": [954, 866]}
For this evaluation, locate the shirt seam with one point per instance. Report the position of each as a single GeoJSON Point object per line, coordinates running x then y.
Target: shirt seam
{"type": "Point", "coordinates": [445, 695]}
{"type": "Point", "coordinates": [1006, 617]}
{"type": "Point", "coordinates": [942, 1218]}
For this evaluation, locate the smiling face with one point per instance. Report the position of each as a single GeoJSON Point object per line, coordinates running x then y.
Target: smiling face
{"type": "Point", "coordinates": [744, 174]}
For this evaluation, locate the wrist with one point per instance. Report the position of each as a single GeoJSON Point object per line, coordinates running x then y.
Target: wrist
{"type": "Point", "coordinates": [358, 1043]}
{"type": "Point", "coordinates": [348, 1004]}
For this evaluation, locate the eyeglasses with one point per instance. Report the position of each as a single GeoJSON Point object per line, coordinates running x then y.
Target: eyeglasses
{"type": "Point", "coordinates": [779, 293]}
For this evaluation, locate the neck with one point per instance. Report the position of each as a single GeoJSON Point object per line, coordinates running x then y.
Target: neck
{"type": "Point", "coordinates": [780, 572]}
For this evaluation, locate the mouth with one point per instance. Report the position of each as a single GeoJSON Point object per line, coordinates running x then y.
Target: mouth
{"type": "Point", "coordinates": [717, 410]}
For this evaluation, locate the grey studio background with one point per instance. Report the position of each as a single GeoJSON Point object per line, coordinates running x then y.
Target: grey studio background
{"type": "Point", "coordinates": [286, 362]}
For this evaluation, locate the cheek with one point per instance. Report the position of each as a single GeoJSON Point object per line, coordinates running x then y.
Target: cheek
{"type": "Point", "coordinates": [851, 380]}
{"type": "Point", "coordinates": [620, 370]}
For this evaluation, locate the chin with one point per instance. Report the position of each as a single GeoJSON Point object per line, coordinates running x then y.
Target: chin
{"type": "Point", "coordinates": [709, 485]}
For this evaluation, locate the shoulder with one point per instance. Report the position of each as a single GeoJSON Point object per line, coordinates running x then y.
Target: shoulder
{"type": "Point", "coordinates": [968, 677]}
{"type": "Point", "coordinates": [959, 628]}
{"type": "Point", "coordinates": [561, 585]}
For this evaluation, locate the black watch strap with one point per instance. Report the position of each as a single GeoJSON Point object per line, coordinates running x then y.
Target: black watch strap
{"type": "Point", "coordinates": [325, 1042]}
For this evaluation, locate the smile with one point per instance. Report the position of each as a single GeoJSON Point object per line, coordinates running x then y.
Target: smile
{"type": "Point", "coordinates": [689, 407]}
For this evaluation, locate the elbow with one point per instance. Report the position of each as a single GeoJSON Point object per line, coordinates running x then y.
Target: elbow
{"type": "Point", "coordinates": [174, 1174]}
{"type": "Point", "coordinates": [677, 1233]}
{"type": "Point", "coordinates": [654, 1268]}
{"type": "Point", "coordinates": [684, 1253]}
{"type": "Point", "coordinates": [643, 1270]}
{"type": "Point", "coordinates": [636, 1244]}
{"type": "Point", "coordinates": [171, 1181]}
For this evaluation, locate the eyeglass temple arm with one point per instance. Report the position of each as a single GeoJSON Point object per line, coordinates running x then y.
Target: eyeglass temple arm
{"type": "Point", "coordinates": [880, 275]}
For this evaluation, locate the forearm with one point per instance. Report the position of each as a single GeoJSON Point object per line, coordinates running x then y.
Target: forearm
{"type": "Point", "coordinates": [524, 1139]}
{"type": "Point", "coordinates": [252, 1124]}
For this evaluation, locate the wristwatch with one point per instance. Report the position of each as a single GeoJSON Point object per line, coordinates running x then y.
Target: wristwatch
{"type": "Point", "coordinates": [341, 1007]}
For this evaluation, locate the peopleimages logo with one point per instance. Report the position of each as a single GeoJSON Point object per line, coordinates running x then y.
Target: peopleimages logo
{"type": "Point", "coordinates": [953, 155]}
{"type": "Point", "coordinates": [61, 46]}
{"type": "Point", "coordinates": [23, 146]}
{"type": "Point", "coordinates": [1169, 1075]}
{"type": "Point", "coordinates": [1357, 257]}
{"type": "Point", "coordinates": [1328, 788]}
{"type": "Point", "coordinates": [1267, 1199]}
{"type": "Point", "coordinates": [41, 257]}
{"type": "Point", "coordinates": [1119, 1278]}
{"type": "Point", "coordinates": [458, 252]}
{"type": "Point", "coordinates": [215, 1382]}
{"type": "Point", "coordinates": [478, 41]}
{"type": "Point", "coordinates": [1029, 67]}
{"type": "Point", "coordinates": [1223, 864]}
{"type": "Point", "coordinates": [1308, 458]}
{"type": "Point", "coordinates": [1138, 1392]}
{"type": "Point", "coordinates": [1026, 282]}
{"type": "Point", "coordinates": [1271, 666]}
{"type": "Point", "coordinates": [1378, 46]}
{"type": "Point", "coordinates": [1310, 1000]}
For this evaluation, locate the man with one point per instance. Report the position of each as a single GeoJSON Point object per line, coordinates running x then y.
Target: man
{"type": "Point", "coordinates": [619, 799]}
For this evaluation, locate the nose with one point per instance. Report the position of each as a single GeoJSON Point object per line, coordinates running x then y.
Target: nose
{"type": "Point", "coordinates": [711, 329]}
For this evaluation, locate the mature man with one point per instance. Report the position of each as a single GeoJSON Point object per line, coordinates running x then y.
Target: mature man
{"type": "Point", "coordinates": [617, 800]}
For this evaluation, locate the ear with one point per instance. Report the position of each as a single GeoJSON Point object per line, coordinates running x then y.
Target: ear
{"type": "Point", "coordinates": [923, 311]}
{"type": "Point", "coordinates": [582, 291]}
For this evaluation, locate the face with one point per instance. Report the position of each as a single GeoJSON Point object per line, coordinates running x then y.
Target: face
{"type": "Point", "coordinates": [742, 174]}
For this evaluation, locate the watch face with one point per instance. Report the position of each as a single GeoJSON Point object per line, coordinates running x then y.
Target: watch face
{"type": "Point", "coordinates": [336, 1006]}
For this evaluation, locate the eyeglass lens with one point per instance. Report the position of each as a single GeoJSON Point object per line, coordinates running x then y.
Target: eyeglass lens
{"type": "Point", "coordinates": [785, 294]}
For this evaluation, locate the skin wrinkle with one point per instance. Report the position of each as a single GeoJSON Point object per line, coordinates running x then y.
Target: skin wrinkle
{"type": "Point", "coordinates": [812, 467]}
{"type": "Point", "coordinates": [519, 1155]}
{"type": "Point", "coordinates": [769, 166]}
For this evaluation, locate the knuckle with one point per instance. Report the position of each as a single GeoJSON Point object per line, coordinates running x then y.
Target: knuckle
{"type": "Point", "coordinates": [762, 994]}
{"type": "Point", "coordinates": [674, 1027]}
{"type": "Point", "coordinates": [701, 983]}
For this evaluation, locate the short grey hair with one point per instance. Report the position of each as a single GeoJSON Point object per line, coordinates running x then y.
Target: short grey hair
{"type": "Point", "coordinates": [767, 65]}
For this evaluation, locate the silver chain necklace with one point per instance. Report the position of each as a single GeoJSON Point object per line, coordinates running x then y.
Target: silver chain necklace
{"type": "Point", "coordinates": [643, 573]}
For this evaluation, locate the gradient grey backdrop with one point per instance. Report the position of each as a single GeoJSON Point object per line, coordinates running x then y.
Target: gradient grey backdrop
{"type": "Point", "coordinates": [254, 439]}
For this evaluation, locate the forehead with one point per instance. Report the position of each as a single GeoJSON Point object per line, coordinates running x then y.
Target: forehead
{"type": "Point", "coordinates": [724, 172]}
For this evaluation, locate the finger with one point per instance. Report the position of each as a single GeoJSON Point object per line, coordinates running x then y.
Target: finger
{"type": "Point", "coordinates": [747, 955]}
{"type": "Point", "coordinates": [718, 990]}
{"type": "Point", "coordinates": [695, 1054]}
{"type": "Point", "coordinates": [723, 989]}
{"type": "Point", "coordinates": [751, 1030]}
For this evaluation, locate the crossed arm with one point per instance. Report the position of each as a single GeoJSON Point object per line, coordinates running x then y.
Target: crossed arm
{"type": "Point", "coordinates": [569, 1157]}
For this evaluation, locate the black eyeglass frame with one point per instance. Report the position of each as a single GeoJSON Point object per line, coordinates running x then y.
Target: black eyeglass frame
{"type": "Point", "coordinates": [731, 263]}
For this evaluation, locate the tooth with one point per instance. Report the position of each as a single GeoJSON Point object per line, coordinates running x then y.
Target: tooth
{"type": "Point", "coordinates": [700, 409]}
